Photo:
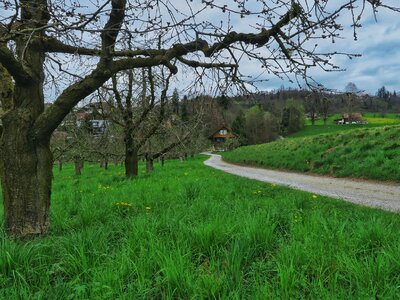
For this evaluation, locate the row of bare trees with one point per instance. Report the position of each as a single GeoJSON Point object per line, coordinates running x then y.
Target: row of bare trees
{"type": "Point", "coordinates": [141, 122]}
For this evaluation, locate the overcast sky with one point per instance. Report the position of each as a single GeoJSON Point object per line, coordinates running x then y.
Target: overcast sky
{"type": "Point", "coordinates": [378, 43]}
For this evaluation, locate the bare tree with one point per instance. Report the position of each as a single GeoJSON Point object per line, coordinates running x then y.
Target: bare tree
{"type": "Point", "coordinates": [172, 135]}
{"type": "Point", "coordinates": [312, 105]}
{"type": "Point", "coordinates": [326, 103]}
{"type": "Point", "coordinates": [139, 115]}
{"type": "Point", "coordinates": [39, 37]}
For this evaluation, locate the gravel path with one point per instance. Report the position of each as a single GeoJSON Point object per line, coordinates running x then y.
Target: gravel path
{"type": "Point", "coordinates": [382, 195]}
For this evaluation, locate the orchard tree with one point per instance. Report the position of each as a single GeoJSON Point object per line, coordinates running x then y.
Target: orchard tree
{"type": "Point", "coordinates": [312, 105]}
{"type": "Point", "coordinates": [140, 115]}
{"type": "Point", "coordinates": [65, 50]}
{"type": "Point", "coordinates": [178, 136]}
{"type": "Point", "coordinates": [326, 103]}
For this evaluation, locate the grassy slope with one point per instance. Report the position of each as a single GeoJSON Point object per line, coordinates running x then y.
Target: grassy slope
{"type": "Point", "coordinates": [192, 231]}
{"type": "Point", "coordinates": [365, 153]}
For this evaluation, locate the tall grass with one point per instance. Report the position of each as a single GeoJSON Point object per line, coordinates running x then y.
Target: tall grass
{"type": "Point", "coordinates": [188, 231]}
{"type": "Point", "coordinates": [372, 153]}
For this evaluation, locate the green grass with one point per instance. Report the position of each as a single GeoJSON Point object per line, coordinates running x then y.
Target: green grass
{"type": "Point", "coordinates": [371, 117]}
{"type": "Point", "coordinates": [374, 120]}
{"type": "Point", "coordinates": [312, 130]}
{"type": "Point", "coordinates": [372, 153]}
{"type": "Point", "coordinates": [195, 232]}
{"type": "Point", "coordinates": [379, 118]}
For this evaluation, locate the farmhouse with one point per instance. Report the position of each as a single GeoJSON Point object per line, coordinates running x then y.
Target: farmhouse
{"type": "Point", "coordinates": [97, 127]}
{"type": "Point", "coordinates": [220, 137]}
{"type": "Point", "coordinates": [351, 118]}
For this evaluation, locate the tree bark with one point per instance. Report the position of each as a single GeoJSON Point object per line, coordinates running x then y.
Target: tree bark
{"type": "Point", "coordinates": [106, 163]}
{"type": "Point", "coordinates": [131, 163]}
{"type": "Point", "coordinates": [26, 162]}
{"type": "Point", "coordinates": [78, 166]}
{"type": "Point", "coordinates": [149, 164]}
{"type": "Point", "coordinates": [131, 152]}
{"type": "Point", "coordinates": [25, 168]}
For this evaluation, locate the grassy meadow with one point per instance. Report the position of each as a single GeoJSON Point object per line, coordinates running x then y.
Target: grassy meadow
{"type": "Point", "coordinates": [372, 153]}
{"type": "Point", "coordinates": [187, 231]}
{"type": "Point", "coordinates": [373, 119]}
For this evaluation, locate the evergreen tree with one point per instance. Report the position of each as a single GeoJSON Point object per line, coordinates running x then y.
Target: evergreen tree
{"type": "Point", "coordinates": [238, 127]}
{"type": "Point", "coordinates": [383, 93]}
{"type": "Point", "coordinates": [223, 101]}
{"type": "Point", "coordinates": [175, 101]}
{"type": "Point", "coordinates": [184, 109]}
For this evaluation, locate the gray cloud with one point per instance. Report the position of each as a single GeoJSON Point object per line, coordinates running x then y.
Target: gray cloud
{"type": "Point", "coordinates": [378, 43]}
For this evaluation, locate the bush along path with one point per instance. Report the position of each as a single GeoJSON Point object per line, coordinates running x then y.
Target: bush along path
{"type": "Point", "coordinates": [381, 195]}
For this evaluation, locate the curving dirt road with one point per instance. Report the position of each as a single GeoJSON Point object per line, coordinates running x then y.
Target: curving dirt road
{"type": "Point", "coordinates": [381, 195]}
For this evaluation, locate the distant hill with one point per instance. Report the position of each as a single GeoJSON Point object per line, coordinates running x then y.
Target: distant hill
{"type": "Point", "coordinates": [372, 153]}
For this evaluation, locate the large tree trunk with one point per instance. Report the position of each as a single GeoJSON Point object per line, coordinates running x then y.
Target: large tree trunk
{"type": "Point", "coordinates": [131, 153]}
{"type": "Point", "coordinates": [25, 168]}
{"type": "Point", "coordinates": [25, 158]}
{"type": "Point", "coordinates": [25, 161]}
{"type": "Point", "coordinates": [131, 163]}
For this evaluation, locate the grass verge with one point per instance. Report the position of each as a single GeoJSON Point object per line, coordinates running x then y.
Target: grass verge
{"type": "Point", "coordinates": [372, 153]}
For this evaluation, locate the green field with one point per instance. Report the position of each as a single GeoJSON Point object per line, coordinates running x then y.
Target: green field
{"type": "Point", "coordinates": [373, 119]}
{"type": "Point", "coordinates": [312, 130]}
{"type": "Point", "coordinates": [189, 231]}
{"type": "Point", "coordinates": [372, 153]}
